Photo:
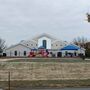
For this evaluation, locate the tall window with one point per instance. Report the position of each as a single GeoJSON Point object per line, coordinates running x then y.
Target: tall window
{"type": "Point", "coordinates": [45, 44]}
{"type": "Point", "coordinates": [66, 53]}
{"type": "Point", "coordinates": [15, 53]}
{"type": "Point", "coordinates": [24, 53]}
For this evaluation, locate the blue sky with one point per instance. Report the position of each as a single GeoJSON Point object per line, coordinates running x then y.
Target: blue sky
{"type": "Point", "coordinates": [24, 19]}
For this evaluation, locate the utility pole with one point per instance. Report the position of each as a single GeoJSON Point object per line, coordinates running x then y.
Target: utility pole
{"type": "Point", "coordinates": [9, 81]}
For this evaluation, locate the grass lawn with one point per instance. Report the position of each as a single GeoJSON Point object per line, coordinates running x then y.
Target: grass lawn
{"type": "Point", "coordinates": [45, 83]}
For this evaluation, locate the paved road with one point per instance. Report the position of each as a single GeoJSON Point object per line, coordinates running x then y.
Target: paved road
{"type": "Point", "coordinates": [55, 89]}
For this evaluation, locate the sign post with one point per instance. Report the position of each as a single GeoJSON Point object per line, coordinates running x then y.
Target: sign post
{"type": "Point", "coordinates": [9, 81]}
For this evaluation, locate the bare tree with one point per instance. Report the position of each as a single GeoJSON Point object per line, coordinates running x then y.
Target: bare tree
{"type": "Point", "coordinates": [2, 46]}
{"type": "Point", "coordinates": [88, 17]}
{"type": "Point", "coordinates": [80, 41]}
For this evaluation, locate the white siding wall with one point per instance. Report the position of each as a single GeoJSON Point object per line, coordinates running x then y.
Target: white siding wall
{"type": "Point", "coordinates": [58, 45]}
{"type": "Point", "coordinates": [30, 44]}
{"type": "Point", "coordinates": [20, 51]}
{"type": "Point", "coordinates": [48, 42]}
{"type": "Point", "coordinates": [72, 51]}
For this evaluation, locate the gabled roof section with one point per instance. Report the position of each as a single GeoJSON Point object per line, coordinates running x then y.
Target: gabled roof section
{"type": "Point", "coordinates": [44, 35]}
{"type": "Point", "coordinates": [17, 45]}
{"type": "Point", "coordinates": [71, 47]}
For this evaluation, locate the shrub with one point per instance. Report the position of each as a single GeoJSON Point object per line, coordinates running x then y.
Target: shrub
{"type": "Point", "coordinates": [87, 52]}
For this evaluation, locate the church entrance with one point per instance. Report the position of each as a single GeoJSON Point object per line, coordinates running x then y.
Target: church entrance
{"type": "Point", "coordinates": [59, 54]}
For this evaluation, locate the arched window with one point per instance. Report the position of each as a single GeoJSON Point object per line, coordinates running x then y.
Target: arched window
{"type": "Point", "coordinates": [15, 53]}
{"type": "Point", "coordinates": [45, 44]}
{"type": "Point", "coordinates": [24, 53]}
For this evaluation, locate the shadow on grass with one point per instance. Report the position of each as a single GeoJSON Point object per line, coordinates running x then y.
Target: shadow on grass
{"type": "Point", "coordinates": [47, 84]}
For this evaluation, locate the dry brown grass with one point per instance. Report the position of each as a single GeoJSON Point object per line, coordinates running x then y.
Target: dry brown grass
{"type": "Point", "coordinates": [45, 74]}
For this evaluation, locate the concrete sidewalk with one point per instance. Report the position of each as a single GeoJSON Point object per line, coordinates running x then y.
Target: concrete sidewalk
{"type": "Point", "coordinates": [87, 59]}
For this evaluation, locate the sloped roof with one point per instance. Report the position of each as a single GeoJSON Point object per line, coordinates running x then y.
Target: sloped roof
{"type": "Point", "coordinates": [71, 47]}
{"type": "Point", "coordinates": [44, 35]}
{"type": "Point", "coordinates": [17, 45]}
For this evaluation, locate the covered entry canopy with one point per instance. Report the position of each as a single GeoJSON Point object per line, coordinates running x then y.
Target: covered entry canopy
{"type": "Point", "coordinates": [71, 47]}
{"type": "Point", "coordinates": [41, 47]}
{"type": "Point", "coordinates": [34, 49]}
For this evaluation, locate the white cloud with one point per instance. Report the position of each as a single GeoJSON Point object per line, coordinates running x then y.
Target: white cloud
{"type": "Point", "coordinates": [21, 19]}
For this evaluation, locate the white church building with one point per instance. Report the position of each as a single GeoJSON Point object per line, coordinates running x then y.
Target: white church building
{"type": "Point", "coordinates": [47, 41]}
